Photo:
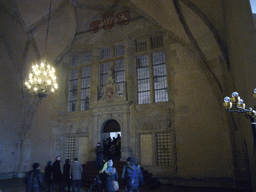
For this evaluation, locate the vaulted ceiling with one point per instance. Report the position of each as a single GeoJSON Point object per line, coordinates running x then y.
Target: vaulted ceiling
{"type": "Point", "coordinates": [186, 20]}
{"type": "Point", "coordinates": [196, 24]}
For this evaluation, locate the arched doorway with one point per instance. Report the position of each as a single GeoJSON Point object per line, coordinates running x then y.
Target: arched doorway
{"type": "Point", "coordinates": [112, 140]}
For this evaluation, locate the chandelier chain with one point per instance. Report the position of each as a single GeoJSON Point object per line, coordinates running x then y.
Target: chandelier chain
{"type": "Point", "coordinates": [47, 29]}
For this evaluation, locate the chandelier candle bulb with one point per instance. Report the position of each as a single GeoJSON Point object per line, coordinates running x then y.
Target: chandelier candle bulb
{"type": "Point", "coordinates": [227, 105]}
{"type": "Point", "coordinates": [235, 99]}
{"type": "Point", "coordinates": [254, 94]}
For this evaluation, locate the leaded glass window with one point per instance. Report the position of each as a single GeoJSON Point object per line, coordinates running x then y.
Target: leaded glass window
{"type": "Point", "coordinates": [119, 50]}
{"type": "Point", "coordinates": [141, 45]}
{"type": "Point", "coordinates": [159, 73]}
{"type": "Point", "coordinates": [104, 69]}
{"type": "Point", "coordinates": [72, 94]}
{"type": "Point", "coordinates": [86, 57]}
{"type": "Point", "coordinates": [105, 53]}
{"type": "Point", "coordinates": [151, 71]}
{"type": "Point", "coordinates": [143, 79]}
{"type": "Point", "coordinates": [157, 42]}
{"type": "Point", "coordinates": [75, 59]}
{"type": "Point", "coordinates": [70, 147]}
{"type": "Point", "coordinates": [163, 149]}
{"type": "Point", "coordinates": [79, 82]}
{"type": "Point", "coordinates": [116, 63]}
{"type": "Point", "coordinates": [85, 87]}
{"type": "Point", "coordinates": [120, 75]}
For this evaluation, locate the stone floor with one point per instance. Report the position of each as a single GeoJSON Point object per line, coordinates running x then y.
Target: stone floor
{"type": "Point", "coordinates": [17, 185]}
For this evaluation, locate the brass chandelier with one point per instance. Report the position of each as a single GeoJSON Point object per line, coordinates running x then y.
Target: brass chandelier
{"type": "Point", "coordinates": [239, 106]}
{"type": "Point", "coordinates": [236, 104]}
{"type": "Point", "coordinates": [42, 80]}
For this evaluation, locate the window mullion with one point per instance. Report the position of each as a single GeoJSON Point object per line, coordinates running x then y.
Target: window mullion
{"type": "Point", "coordinates": [112, 55]}
{"type": "Point", "coordinates": [79, 89]}
{"type": "Point", "coordinates": [151, 77]}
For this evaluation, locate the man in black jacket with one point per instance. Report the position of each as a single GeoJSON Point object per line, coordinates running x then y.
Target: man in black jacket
{"type": "Point", "coordinates": [133, 176]}
{"type": "Point", "coordinates": [57, 174]}
{"type": "Point", "coordinates": [34, 179]}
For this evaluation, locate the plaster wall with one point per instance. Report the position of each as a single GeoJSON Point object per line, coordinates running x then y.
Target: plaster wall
{"type": "Point", "coordinates": [11, 93]}
{"type": "Point", "coordinates": [10, 114]}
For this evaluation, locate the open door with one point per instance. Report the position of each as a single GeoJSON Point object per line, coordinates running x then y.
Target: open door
{"type": "Point", "coordinates": [112, 140]}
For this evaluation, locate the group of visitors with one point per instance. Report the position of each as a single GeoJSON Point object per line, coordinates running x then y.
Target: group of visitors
{"type": "Point", "coordinates": [112, 148]}
{"type": "Point", "coordinates": [132, 177]}
{"type": "Point", "coordinates": [54, 178]}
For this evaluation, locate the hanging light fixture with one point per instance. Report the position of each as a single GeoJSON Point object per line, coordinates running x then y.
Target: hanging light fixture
{"type": "Point", "coordinates": [42, 79]}
{"type": "Point", "coordinates": [236, 104]}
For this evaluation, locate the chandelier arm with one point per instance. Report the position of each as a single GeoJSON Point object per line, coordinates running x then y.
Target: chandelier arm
{"type": "Point", "coordinates": [239, 111]}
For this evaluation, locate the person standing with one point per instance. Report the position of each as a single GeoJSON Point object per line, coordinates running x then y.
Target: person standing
{"type": "Point", "coordinates": [99, 156]}
{"type": "Point", "coordinates": [123, 173]}
{"type": "Point", "coordinates": [76, 175]}
{"type": "Point", "coordinates": [133, 176]}
{"type": "Point", "coordinates": [109, 175]}
{"type": "Point", "coordinates": [48, 176]}
{"type": "Point", "coordinates": [66, 175]}
{"type": "Point", "coordinates": [34, 179]}
{"type": "Point", "coordinates": [57, 174]}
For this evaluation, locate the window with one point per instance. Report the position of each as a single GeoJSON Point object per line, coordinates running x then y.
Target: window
{"type": "Point", "coordinates": [141, 45]}
{"type": "Point", "coordinates": [70, 147]}
{"type": "Point", "coordinates": [143, 79]}
{"type": "Point", "coordinates": [85, 87]}
{"type": "Point", "coordinates": [120, 75]}
{"type": "Point", "coordinates": [157, 42]}
{"type": "Point", "coordinates": [163, 149]}
{"type": "Point", "coordinates": [159, 73]}
{"type": "Point", "coordinates": [105, 53]}
{"type": "Point", "coordinates": [115, 63]}
{"type": "Point", "coordinates": [151, 70]}
{"type": "Point", "coordinates": [119, 50]}
{"type": "Point", "coordinates": [253, 6]}
{"type": "Point", "coordinates": [79, 82]}
{"type": "Point", "coordinates": [104, 68]}
{"type": "Point", "coordinates": [73, 86]}
{"type": "Point", "coordinates": [75, 60]}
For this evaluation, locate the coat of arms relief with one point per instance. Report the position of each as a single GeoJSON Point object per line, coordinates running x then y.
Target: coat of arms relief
{"type": "Point", "coordinates": [109, 91]}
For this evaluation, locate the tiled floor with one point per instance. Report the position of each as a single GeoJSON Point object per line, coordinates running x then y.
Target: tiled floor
{"type": "Point", "coordinates": [17, 185]}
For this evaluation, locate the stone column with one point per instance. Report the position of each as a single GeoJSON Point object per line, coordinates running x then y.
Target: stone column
{"type": "Point", "coordinates": [125, 141]}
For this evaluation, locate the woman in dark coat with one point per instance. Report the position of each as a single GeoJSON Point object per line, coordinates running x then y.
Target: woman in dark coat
{"type": "Point", "coordinates": [66, 175]}
{"type": "Point", "coordinates": [109, 175]}
{"type": "Point", "coordinates": [133, 176]}
{"type": "Point", "coordinates": [48, 175]}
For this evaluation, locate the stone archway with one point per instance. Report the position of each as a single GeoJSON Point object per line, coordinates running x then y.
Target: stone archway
{"type": "Point", "coordinates": [111, 126]}
{"type": "Point", "coordinates": [111, 139]}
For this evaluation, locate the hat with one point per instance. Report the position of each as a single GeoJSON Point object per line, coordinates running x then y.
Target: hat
{"type": "Point", "coordinates": [132, 160]}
